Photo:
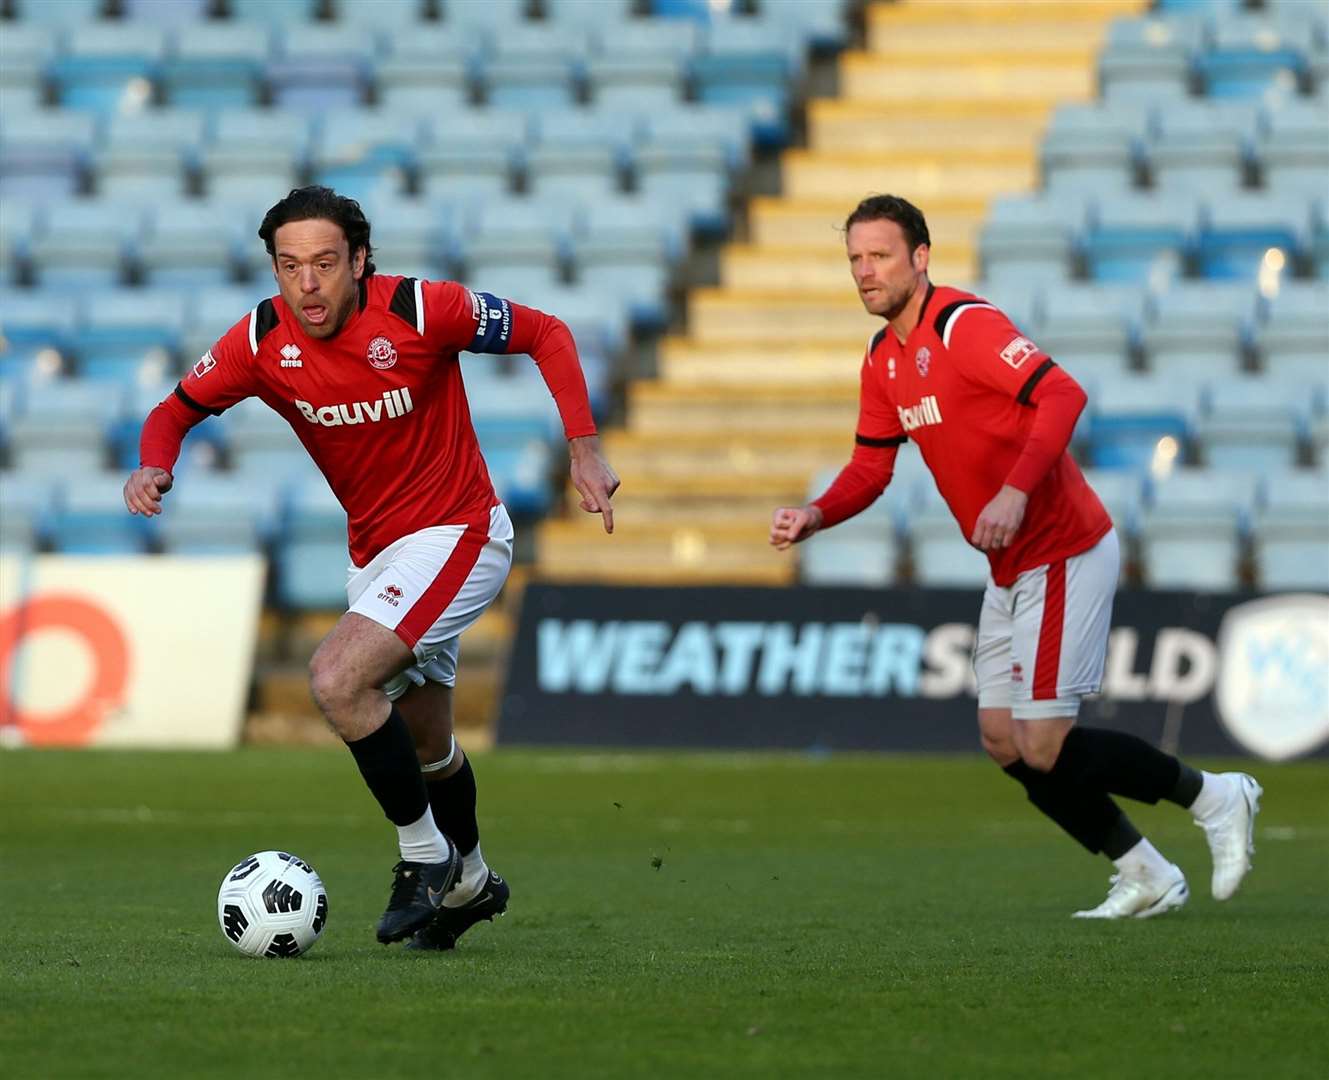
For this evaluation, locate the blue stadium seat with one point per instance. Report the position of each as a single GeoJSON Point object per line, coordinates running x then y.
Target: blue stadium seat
{"type": "Point", "coordinates": [750, 65]}
{"type": "Point", "coordinates": [262, 444]}
{"type": "Point", "coordinates": [1192, 529]}
{"type": "Point", "coordinates": [493, 15]}
{"type": "Point", "coordinates": [1252, 423]}
{"type": "Point", "coordinates": [376, 14]}
{"type": "Point", "coordinates": [203, 447]}
{"type": "Point", "coordinates": [687, 160]}
{"type": "Point", "coordinates": [1202, 147]}
{"type": "Point", "coordinates": [1135, 236]}
{"type": "Point", "coordinates": [90, 518]}
{"type": "Point", "coordinates": [130, 335]}
{"type": "Point", "coordinates": [180, 13]}
{"type": "Point", "coordinates": [941, 555]}
{"type": "Point", "coordinates": [216, 65]}
{"type": "Point", "coordinates": [216, 310]}
{"type": "Point", "coordinates": [44, 155]}
{"type": "Point", "coordinates": [1092, 148]}
{"type": "Point", "coordinates": [866, 550]}
{"type": "Point", "coordinates": [1031, 236]}
{"type": "Point", "coordinates": [255, 156]}
{"type": "Point", "coordinates": [85, 245]}
{"type": "Point", "coordinates": [593, 14]}
{"type": "Point", "coordinates": [67, 13]}
{"type": "Point", "coordinates": [412, 237]}
{"type": "Point", "coordinates": [1199, 329]}
{"type": "Point", "coordinates": [108, 67]}
{"type": "Point", "coordinates": [1248, 54]}
{"type": "Point", "coordinates": [823, 25]}
{"type": "Point", "coordinates": [471, 153]}
{"type": "Point", "coordinates": [276, 12]}
{"type": "Point", "coordinates": [1237, 234]}
{"type": "Point", "coordinates": [312, 559]}
{"type": "Point", "coordinates": [25, 50]}
{"type": "Point", "coordinates": [1294, 151]}
{"type": "Point", "coordinates": [581, 154]}
{"type": "Point", "coordinates": [1293, 339]}
{"type": "Point", "coordinates": [62, 427]}
{"type": "Point", "coordinates": [1138, 420]}
{"type": "Point", "coordinates": [517, 236]}
{"type": "Point", "coordinates": [1148, 58]}
{"type": "Point", "coordinates": [27, 501]}
{"type": "Point", "coordinates": [191, 244]}
{"type": "Point", "coordinates": [360, 152]}
{"type": "Point", "coordinates": [1291, 531]}
{"type": "Point", "coordinates": [18, 222]}
{"type": "Point", "coordinates": [148, 155]}
{"type": "Point", "coordinates": [627, 250]}
{"type": "Point", "coordinates": [425, 70]}
{"type": "Point", "coordinates": [35, 320]}
{"type": "Point", "coordinates": [217, 515]}
{"type": "Point", "coordinates": [321, 66]}
{"type": "Point", "coordinates": [1122, 494]}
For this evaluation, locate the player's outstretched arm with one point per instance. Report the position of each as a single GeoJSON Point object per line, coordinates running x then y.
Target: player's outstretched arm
{"type": "Point", "coordinates": [593, 477]}
{"type": "Point", "coordinates": [793, 524]}
{"type": "Point", "coordinates": [144, 490]}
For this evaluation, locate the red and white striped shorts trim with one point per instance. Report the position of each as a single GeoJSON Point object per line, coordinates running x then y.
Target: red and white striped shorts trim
{"type": "Point", "coordinates": [1042, 642]}
{"type": "Point", "coordinates": [430, 586]}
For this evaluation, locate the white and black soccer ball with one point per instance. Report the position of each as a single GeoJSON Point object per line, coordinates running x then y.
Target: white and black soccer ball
{"type": "Point", "coordinates": [272, 904]}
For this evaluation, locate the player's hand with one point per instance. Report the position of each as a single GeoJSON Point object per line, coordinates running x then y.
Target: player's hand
{"type": "Point", "coordinates": [1000, 520]}
{"type": "Point", "coordinates": [793, 524]}
{"type": "Point", "coordinates": [593, 478]}
{"type": "Point", "coordinates": [144, 490]}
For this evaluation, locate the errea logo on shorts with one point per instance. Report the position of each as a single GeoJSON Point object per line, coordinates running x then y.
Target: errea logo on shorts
{"type": "Point", "coordinates": [916, 416]}
{"type": "Point", "coordinates": [392, 404]}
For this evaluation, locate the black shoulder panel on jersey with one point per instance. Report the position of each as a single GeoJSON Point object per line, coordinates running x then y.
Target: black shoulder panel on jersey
{"type": "Point", "coordinates": [876, 340]}
{"type": "Point", "coordinates": [944, 315]}
{"type": "Point", "coordinates": [1027, 390]}
{"type": "Point", "coordinates": [895, 440]}
{"type": "Point", "coordinates": [265, 320]}
{"type": "Point", "coordinates": [180, 393]}
{"type": "Point", "coordinates": [403, 302]}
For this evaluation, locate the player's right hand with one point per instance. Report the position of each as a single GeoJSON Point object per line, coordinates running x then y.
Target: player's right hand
{"type": "Point", "coordinates": [793, 524]}
{"type": "Point", "coordinates": [144, 490]}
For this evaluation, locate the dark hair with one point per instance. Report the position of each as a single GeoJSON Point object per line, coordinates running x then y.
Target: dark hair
{"type": "Point", "coordinates": [893, 208]}
{"type": "Point", "coordinates": [315, 201]}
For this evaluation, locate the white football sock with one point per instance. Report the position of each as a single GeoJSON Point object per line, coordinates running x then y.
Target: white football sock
{"type": "Point", "coordinates": [421, 841]}
{"type": "Point", "coordinates": [1143, 860]}
{"type": "Point", "coordinates": [474, 874]}
{"type": "Point", "coordinates": [1213, 796]}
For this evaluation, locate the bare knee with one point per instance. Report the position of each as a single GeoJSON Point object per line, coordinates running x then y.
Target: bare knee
{"type": "Point", "coordinates": [328, 685]}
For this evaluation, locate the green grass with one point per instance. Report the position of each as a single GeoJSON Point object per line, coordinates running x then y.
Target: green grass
{"type": "Point", "coordinates": [845, 916]}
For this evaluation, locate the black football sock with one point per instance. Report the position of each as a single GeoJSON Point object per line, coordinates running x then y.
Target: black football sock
{"type": "Point", "coordinates": [388, 763]}
{"type": "Point", "coordinates": [1124, 765]}
{"type": "Point", "coordinates": [452, 800]}
{"type": "Point", "coordinates": [1088, 815]}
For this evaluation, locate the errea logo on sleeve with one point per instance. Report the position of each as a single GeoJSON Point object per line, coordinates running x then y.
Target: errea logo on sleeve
{"type": "Point", "coordinates": [1018, 351]}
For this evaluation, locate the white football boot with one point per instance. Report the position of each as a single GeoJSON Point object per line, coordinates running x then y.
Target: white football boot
{"type": "Point", "coordinates": [1230, 830]}
{"type": "Point", "coordinates": [1141, 895]}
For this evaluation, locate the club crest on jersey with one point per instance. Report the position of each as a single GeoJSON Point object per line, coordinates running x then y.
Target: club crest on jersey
{"type": "Point", "coordinates": [382, 355]}
{"type": "Point", "coordinates": [1018, 351]}
{"type": "Point", "coordinates": [205, 364]}
{"type": "Point", "coordinates": [923, 360]}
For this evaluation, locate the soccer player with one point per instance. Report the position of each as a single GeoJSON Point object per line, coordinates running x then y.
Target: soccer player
{"type": "Point", "coordinates": [992, 415]}
{"type": "Point", "coordinates": [365, 368]}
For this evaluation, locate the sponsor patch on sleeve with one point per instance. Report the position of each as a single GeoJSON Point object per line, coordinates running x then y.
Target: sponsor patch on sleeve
{"type": "Point", "coordinates": [1018, 351]}
{"type": "Point", "coordinates": [205, 364]}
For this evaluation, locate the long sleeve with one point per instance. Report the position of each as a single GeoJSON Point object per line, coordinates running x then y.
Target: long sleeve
{"type": "Point", "coordinates": [858, 485]}
{"type": "Point", "coordinates": [1058, 400]}
{"type": "Point", "coordinates": [164, 432]}
{"type": "Point", "coordinates": [549, 343]}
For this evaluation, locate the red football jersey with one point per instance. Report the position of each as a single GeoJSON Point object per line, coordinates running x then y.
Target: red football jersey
{"type": "Point", "coordinates": [960, 388]}
{"type": "Point", "coordinates": [380, 406]}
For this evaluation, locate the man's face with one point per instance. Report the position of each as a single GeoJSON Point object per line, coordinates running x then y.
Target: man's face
{"type": "Point", "coordinates": [316, 274]}
{"type": "Point", "coordinates": [884, 270]}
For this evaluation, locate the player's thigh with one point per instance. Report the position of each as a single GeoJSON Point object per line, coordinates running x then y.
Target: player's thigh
{"type": "Point", "coordinates": [1039, 741]}
{"type": "Point", "coordinates": [357, 654]}
{"type": "Point", "coordinates": [992, 650]}
{"type": "Point", "coordinates": [1059, 632]}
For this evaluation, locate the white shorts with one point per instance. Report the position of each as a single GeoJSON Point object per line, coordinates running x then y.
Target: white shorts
{"type": "Point", "coordinates": [1042, 642]}
{"type": "Point", "coordinates": [430, 586]}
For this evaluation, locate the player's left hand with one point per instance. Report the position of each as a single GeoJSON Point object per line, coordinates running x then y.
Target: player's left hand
{"type": "Point", "coordinates": [1000, 520]}
{"type": "Point", "coordinates": [593, 478]}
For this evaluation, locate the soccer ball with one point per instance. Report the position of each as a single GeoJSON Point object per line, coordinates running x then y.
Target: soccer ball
{"type": "Point", "coordinates": [272, 904]}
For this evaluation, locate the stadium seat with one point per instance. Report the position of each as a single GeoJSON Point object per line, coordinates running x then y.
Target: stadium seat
{"type": "Point", "coordinates": [1136, 419]}
{"type": "Point", "coordinates": [35, 320]}
{"type": "Point", "coordinates": [89, 518]}
{"type": "Point", "coordinates": [472, 152]}
{"type": "Point", "coordinates": [44, 155]}
{"type": "Point", "coordinates": [1252, 423]}
{"type": "Point", "coordinates": [528, 236]}
{"type": "Point", "coordinates": [86, 245]}
{"type": "Point", "coordinates": [1192, 527]}
{"type": "Point", "coordinates": [25, 50]}
{"type": "Point", "coordinates": [216, 66]}
{"type": "Point", "coordinates": [262, 443]}
{"type": "Point", "coordinates": [191, 244]}
{"type": "Point", "coordinates": [130, 335]}
{"type": "Point", "coordinates": [375, 14]}
{"type": "Point", "coordinates": [593, 14]}
{"type": "Point", "coordinates": [941, 556]}
{"type": "Point", "coordinates": [360, 152]}
{"type": "Point", "coordinates": [412, 237]}
{"type": "Point", "coordinates": [182, 13]}
{"type": "Point", "coordinates": [63, 14]}
{"type": "Point", "coordinates": [418, 79]}
{"type": "Point", "coordinates": [1030, 237]}
{"type": "Point", "coordinates": [1293, 153]}
{"type": "Point", "coordinates": [581, 154]}
{"type": "Point", "coordinates": [320, 66]}
{"type": "Point", "coordinates": [1122, 494]}
{"type": "Point", "coordinates": [255, 155]}
{"type": "Point", "coordinates": [1291, 531]}
{"type": "Point", "coordinates": [1090, 329]}
{"type": "Point", "coordinates": [26, 500]}
{"type": "Point", "coordinates": [1201, 147]}
{"type": "Point", "coordinates": [1148, 58]}
{"type": "Point", "coordinates": [276, 12]}
{"type": "Point", "coordinates": [108, 67]}
{"type": "Point", "coordinates": [751, 65]}
{"type": "Point", "coordinates": [1247, 56]}
{"type": "Point", "coordinates": [1092, 148]}
{"type": "Point", "coordinates": [1132, 237]}
{"type": "Point", "coordinates": [1293, 341]}
{"type": "Point", "coordinates": [312, 559]}
{"type": "Point", "coordinates": [62, 427]}
{"type": "Point", "coordinates": [147, 156]}
{"type": "Point", "coordinates": [216, 515]}
{"type": "Point", "coordinates": [1199, 329]}
{"type": "Point", "coordinates": [1238, 232]}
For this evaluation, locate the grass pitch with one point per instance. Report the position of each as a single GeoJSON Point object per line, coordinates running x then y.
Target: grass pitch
{"type": "Point", "coordinates": [672, 915]}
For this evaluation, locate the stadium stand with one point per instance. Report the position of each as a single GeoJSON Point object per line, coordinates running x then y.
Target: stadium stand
{"type": "Point", "coordinates": [1146, 190]}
